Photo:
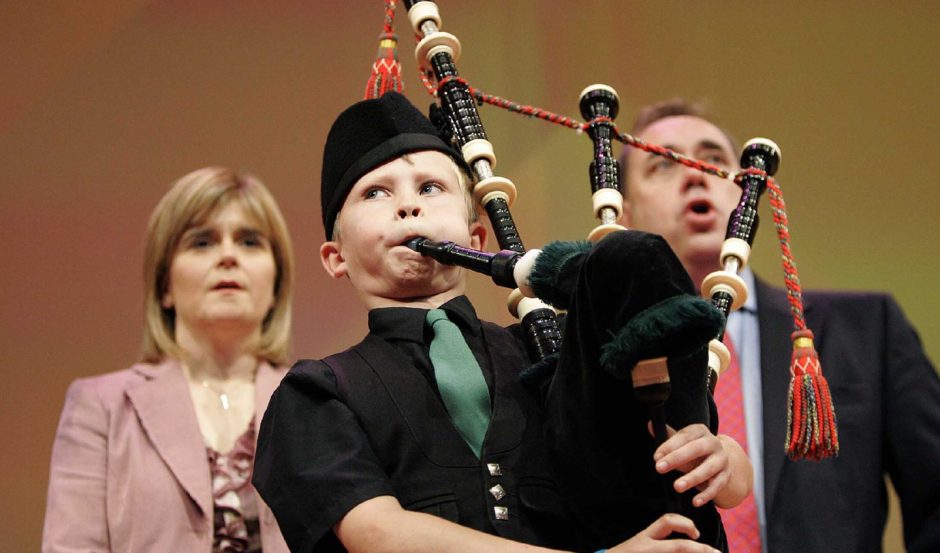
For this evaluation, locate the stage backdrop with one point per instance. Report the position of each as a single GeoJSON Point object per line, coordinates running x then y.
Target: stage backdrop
{"type": "Point", "coordinates": [105, 103]}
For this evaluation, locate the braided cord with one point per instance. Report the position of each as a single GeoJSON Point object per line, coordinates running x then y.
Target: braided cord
{"type": "Point", "coordinates": [775, 194]}
{"type": "Point", "coordinates": [389, 27]}
{"type": "Point", "coordinates": [574, 124]}
{"type": "Point", "coordinates": [790, 276]}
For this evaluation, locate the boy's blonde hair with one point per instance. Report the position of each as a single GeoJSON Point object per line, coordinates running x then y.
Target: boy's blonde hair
{"type": "Point", "coordinates": [192, 201]}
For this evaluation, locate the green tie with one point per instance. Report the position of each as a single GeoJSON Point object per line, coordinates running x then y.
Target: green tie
{"type": "Point", "coordinates": [459, 380]}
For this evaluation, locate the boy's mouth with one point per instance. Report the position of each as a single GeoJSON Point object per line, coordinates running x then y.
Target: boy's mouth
{"type": "Point", "coordinates": [406, 237]}
{"type": "Point", "coordinates": [413, 243]}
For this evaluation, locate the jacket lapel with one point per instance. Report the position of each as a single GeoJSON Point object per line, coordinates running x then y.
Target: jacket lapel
{"type": "Point", "coordinates": [424, 413]}
{"type": "Point", "coordinates": [266, 381]}
{"type": "Point", "coordinates": [776, 348]}
{"type": "Point", "coordinates": [398, 373]}
{"type": "Point", "coordinates": [165, 410]}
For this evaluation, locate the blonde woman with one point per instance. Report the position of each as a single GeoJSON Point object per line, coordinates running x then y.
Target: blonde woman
{"type": "Point", "coordinates": [158, 457]}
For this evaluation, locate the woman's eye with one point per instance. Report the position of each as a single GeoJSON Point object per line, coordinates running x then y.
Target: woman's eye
{"type": "Point", "coordinates": [200, 242]}
{"type": "Point", "coordinates": [254, 241]}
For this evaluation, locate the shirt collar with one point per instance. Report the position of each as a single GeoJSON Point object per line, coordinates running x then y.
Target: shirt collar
{"type": "Point", "coordinates": [750, 305]}
{"type": "Point", "coordinates": [407, 323]}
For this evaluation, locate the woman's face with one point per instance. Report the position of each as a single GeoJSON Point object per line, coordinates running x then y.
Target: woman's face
{"type": "Point", "coordinates": [222, 275]}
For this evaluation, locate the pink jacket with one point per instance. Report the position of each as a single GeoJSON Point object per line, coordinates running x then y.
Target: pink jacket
{"type": "Point", "coordinates": [129, 467]}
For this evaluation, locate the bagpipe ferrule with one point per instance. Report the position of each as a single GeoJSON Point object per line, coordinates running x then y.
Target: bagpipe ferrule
{"type": "Point", "coordinates": [737, 248]}
{"type": "Point", "coordinates": [434, 44]}
{"type": "Point", "coordinates": [768, 151]}
{"type": "Point", "coordinates": [727, 282]}
{"type": "Point", "coordinates": [608, 198]}
{"type": "Point", "coordinates": [523, 269]}
{"type": "Point", "coordinates": [422, 12]}
{"type": "Point", "coordinates": [719, 357]}
{"type": "Point", "coordinates": [479, 149]}
{"type": "Point", "coordinates": [494, 187]}
{"type": "Point", "coordinates": [519, 305]}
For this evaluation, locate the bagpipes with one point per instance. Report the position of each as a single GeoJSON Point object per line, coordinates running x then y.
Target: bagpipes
{"type": "Point", "coordinates": [552, 274]}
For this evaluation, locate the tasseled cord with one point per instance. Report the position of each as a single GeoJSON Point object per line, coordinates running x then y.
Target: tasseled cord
{"type": "Point", "coordinates": [811, 416]}
{"type": "Point", "coordinates": [386, 70]}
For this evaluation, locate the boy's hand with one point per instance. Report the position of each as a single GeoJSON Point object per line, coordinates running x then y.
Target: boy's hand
{"type": "Point", "coordinates": [653, 538]}
{"type": "Point", "coordinates": [704, 460]}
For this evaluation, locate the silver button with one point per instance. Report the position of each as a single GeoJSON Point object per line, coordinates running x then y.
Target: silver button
{"type": "Point", "coordinates": [502, 513]}
{"type": "Point", "coordinates": [494, 469]}
{"type": "Point", "coordinates": [498, 492]}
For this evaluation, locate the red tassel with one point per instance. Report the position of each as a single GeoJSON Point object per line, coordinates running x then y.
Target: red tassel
{"type": "Point", "coordinates": [386, 70]}
{"type": "Point", "coordinates": [811, 417]}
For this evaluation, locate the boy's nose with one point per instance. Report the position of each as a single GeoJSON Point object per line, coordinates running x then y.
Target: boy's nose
{"type": "Point", "coordinates": [409, 209]}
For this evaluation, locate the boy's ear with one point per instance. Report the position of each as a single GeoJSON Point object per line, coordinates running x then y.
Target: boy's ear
{"type": "Point", "coordinates": [332, 259]}
{"type": "Point", "coordinates": [478, 236]}
{"type": "Point", "coordinates": [626, 219]}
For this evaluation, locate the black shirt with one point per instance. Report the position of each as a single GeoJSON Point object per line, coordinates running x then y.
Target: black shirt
{"type": "Point", "coordinates": [405, 329]}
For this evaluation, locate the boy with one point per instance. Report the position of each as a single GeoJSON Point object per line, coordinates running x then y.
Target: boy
{"type": "Point", "coordinates": [363, 443]}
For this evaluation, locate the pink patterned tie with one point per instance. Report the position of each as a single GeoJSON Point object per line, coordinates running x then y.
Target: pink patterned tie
{"type": "Point", "coordinates": [740, 522]}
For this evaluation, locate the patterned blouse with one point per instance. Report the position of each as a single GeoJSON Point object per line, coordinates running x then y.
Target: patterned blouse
{"type": "Point", "coordinates": [235, 511]}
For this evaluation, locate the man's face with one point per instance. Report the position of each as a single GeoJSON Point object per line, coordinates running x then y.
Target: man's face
{"type": "Point", "coordinates": [685, 206]}
{"type": "Point", "coordinates": [420, 195]}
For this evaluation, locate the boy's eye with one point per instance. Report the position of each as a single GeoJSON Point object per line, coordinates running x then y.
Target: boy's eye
{"type": "Point", "coordinates": [374, 193]}
{"type": "Point", "coordinates": [431, 187]}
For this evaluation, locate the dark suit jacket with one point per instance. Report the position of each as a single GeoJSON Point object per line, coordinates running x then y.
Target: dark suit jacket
{"type": "Point", "coordinates": [887, 400]}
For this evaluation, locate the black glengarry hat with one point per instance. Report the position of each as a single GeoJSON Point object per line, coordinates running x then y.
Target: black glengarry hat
{"type": "Point", "coordinates": [366, 135]}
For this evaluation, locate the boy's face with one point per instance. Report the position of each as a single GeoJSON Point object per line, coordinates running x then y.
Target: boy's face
{"type": "Point", "coordinates": [420, 195]}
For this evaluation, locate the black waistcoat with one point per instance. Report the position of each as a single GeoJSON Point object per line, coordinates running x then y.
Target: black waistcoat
{"type": "Point", "coordinates": [509, 491]}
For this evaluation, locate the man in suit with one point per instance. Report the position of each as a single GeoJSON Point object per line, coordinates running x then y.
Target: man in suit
{"type": "Point", "coordinates": [885, 390]}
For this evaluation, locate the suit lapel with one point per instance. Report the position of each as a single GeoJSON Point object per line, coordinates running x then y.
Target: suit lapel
{"type": "Point", "coordinates": [776, 324]}
{"type": "Point", "coordinates": [776, 348]}
{"type": "Point", "coordinates": [165, 410]}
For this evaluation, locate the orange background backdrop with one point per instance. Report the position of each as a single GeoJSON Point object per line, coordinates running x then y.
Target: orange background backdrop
{"type": "Point", "coordinates": [105, 103]}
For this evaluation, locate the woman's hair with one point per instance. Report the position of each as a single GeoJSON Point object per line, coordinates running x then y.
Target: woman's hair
{"type": "Point", "coordinates": [192, 201]}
